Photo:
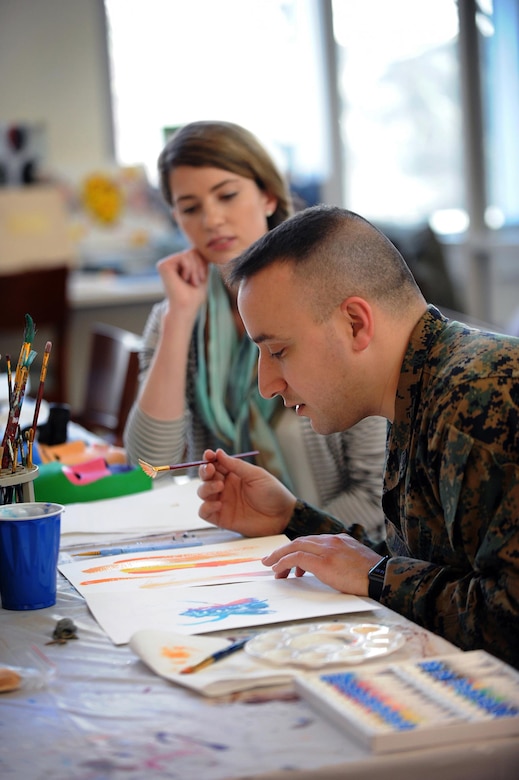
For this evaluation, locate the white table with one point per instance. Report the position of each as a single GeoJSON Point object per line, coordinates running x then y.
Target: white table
{"type": "Point", "coordinates": [93, 290]}
{"type": "Point", "coordinates": [103, 714]}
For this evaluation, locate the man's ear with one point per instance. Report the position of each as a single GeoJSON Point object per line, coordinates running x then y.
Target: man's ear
{"type": "Point", "coordinates": [360, 316]}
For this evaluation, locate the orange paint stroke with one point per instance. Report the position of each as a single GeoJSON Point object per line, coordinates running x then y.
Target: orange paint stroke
{"type": "Point", "coordinates": [176, 653]}
{"type": "Point", "coordinates": [147, 570]}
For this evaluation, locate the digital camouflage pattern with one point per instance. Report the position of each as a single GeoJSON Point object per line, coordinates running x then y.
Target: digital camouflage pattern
{"type": "Point", "coordinates": [451, 488]}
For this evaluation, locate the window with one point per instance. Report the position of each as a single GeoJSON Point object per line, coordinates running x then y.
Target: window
{"type": "Point", "coordinates": [250, 62]}
{"type": "Point", "coordinates": [260, 63]}
{"type": "Point", "coordinates": [400, 110]}
{"type": "Point", "coordinates": [498, 27]}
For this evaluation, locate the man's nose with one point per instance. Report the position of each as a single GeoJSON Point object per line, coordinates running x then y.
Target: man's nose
{"type": "Point", "coordinates": [270, 379]}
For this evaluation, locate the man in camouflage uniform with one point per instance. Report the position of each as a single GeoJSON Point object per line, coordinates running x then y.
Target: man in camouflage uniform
{"type": "Point", "coordinates": [344, 332]}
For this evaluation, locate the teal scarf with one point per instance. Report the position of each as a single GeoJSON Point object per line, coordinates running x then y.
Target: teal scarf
{"type": "Point", "coordinates": [227, 385]}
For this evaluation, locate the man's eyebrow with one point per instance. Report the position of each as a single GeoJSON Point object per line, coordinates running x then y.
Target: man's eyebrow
{"type": "Point", "coordinates": [262, 337]}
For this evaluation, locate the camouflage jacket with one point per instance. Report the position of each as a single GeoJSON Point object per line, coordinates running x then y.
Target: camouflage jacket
{"type": "Point", "coordinates": [451, 488]}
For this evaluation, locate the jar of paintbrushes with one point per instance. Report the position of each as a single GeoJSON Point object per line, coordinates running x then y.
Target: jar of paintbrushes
{"type": "Point", "coordinates": [17, 470]}
{"type": "Point", "coordinates": [17, 486]}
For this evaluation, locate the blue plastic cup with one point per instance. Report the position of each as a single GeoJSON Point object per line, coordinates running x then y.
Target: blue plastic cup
{"type": "Point", "coordinates": [29, 548]}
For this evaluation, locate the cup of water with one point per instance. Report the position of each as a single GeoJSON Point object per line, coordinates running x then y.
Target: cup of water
{"type": "Point", "coordinates": [29, 548]}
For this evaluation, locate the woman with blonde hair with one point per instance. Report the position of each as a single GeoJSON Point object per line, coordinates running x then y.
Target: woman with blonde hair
{"type": "Point", "coordinates": [198, 386]}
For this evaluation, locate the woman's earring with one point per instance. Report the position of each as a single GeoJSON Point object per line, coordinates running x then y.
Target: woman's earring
{"type": "Point", "coordinates": [269, 214]}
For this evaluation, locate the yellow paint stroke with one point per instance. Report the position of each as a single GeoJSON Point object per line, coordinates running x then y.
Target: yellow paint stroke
{"type": "Point", "coordinates": [174, 561]}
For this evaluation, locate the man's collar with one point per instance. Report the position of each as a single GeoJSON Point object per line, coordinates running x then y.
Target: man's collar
{"type": "Point", "coordinates": [424, 334]}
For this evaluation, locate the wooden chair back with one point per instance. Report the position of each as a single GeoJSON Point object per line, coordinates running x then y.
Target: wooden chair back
{"type": "Point", "coordinates": [112, 381]}
{"type": "Point", "coordinates": [42, 293]}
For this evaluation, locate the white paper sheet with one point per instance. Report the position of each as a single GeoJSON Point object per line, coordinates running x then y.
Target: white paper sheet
{"type": "Point", "coordinates": [173, 507]}
{"type": "Point", "coordinates": [199, 610]}
{"type": "Point", "coordinates": [167, 653]}
{"type": "Point", "coordinates": [210, 564]}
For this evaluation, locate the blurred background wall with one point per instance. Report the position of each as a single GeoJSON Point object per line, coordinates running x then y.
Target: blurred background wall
{"type": "Point", "coordinates": [404, 111]}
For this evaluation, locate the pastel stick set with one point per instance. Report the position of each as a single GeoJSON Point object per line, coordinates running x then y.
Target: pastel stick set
{"type": "Point", "coordinates": [413, 704]}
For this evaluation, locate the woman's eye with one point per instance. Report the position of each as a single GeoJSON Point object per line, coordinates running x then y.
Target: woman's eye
{"type": "Point", "coordinates": [228, 195]}
{"type": "Point", "coordinates": [278, 354]}
{"type": "Point", "coordinates": [189, 210]}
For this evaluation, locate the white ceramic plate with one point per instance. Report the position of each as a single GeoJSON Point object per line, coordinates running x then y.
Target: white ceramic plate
{"type": "Point", "coordinates": [316, 645]}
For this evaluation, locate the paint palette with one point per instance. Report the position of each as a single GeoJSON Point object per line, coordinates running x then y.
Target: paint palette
{"type": "Point", "coordinates": [315, 645]}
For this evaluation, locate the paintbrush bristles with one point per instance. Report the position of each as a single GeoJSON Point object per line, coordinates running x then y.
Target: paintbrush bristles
{"type": "Point", "coordinates": [43, 375]}
{"type": "Point", "coordinates": [145, 467]}
{"type": "Point", "coordinates": [29, 329]}
{"type": "Point", "coordinates": [45, 361]}
{"type": "Point", "coordinates": [150, 470]}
